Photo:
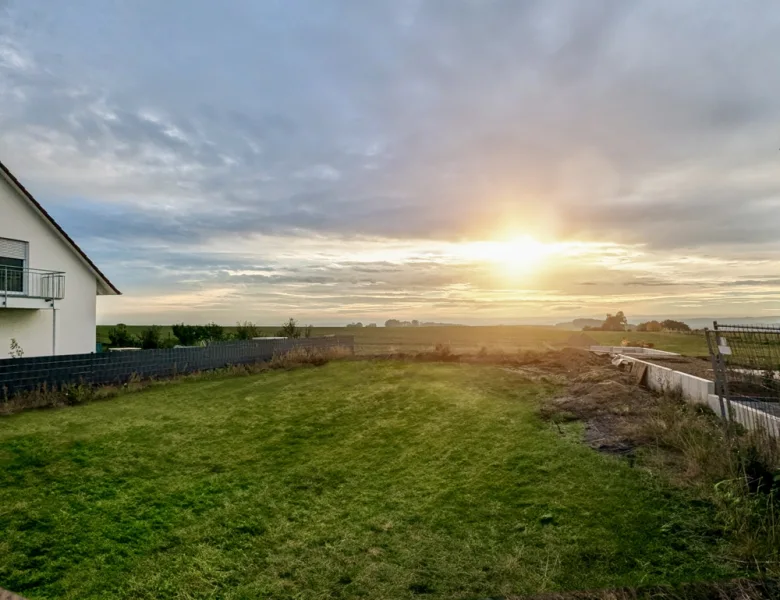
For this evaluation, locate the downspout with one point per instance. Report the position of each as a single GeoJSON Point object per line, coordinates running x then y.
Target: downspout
{"type": "Point", "coordinates": [53, 329]}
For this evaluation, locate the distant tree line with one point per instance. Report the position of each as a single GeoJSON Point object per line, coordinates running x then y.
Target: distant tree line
{"type": "Point", "coordinates": [196, 335]}
{"type": "Point", "coordinates": [416, 323]}
{"type": "Point", "coordinates": [359, 325]}
{"type": "Point", "coordinates": [619, 322]}
{"type": "Point", "coordinates": [667, 325]}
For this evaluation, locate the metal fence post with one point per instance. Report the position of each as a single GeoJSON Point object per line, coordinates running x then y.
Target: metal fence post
{"type": "Point", "coordinates": [713, 349]}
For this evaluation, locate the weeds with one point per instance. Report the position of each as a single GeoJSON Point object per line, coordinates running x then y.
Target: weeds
{"type": "Point", "coordinates": [72, 395]}
{"type": "Point", "coordinates": [730, 466]}
{"type": "Point", "coordinates": [734, 469]}
{"type": "Point", "coordinates": [16, 350]}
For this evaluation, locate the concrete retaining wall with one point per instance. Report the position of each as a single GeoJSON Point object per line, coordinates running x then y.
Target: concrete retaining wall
{"type": "Point", "coordinates": [631, 350]}
{"type": "Point", "coordinates": [661, 379]}
{"type": "Point", "coordinates": [752, 418]}
{"type": "Point", "coordinates": [698, 390]}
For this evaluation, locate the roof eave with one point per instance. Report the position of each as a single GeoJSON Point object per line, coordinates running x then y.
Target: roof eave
{"type": "Point", "coordinates": [103, 281]}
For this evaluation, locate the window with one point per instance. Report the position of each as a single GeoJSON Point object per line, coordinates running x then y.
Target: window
{"type": "Point", "coordinates": [13, 256]}
{"type": "Point", "coordinates": [11, 274]}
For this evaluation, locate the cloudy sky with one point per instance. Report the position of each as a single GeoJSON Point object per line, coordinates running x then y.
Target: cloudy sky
{"type": "Point", "coordinates": [455, 160]}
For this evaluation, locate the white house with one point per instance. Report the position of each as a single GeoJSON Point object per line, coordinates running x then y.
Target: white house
{"type": "Point", "coordinates": [48, 286]}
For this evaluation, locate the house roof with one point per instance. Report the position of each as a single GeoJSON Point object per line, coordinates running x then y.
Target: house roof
{"type": "Point", "coordinates": [109, 287]}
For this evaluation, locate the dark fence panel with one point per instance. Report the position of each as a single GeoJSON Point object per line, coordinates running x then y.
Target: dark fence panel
{"type": "Point", "coordinates": [25, 374]}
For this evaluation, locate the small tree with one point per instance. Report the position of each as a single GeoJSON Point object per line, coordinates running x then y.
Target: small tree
{"type": "Point", "coordinates": [308, 331]}
{"type": "Point", "coordinates": [246, 331]}
{"type": "Point", "coordinates": [616, 322]}
{"type": "Point", "coordinates": [151, 338]}
{"type": "Point", "coordinates": [120, 337]}
{"type": "Point", "coordinates": [290, 329]}
{"type": "Point", "coordinates": [188, 335]}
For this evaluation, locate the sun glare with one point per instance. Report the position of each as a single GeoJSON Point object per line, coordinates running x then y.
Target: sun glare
{"type": "Point", "coordinates": [517, 255]}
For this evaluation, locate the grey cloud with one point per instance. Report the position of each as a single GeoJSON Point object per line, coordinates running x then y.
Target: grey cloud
{"type": "Point", "coordinates": [444, 155]}
{"type": "Point", "coordinates": [651, 282]}
{"type": "Point", "coordinates": [753, 282]}
{"type": "Point", "coordinates": [631, 122]}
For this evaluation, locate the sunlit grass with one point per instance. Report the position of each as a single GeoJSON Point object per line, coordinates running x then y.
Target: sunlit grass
{"type": "Point", "coordinates": [357, 479]}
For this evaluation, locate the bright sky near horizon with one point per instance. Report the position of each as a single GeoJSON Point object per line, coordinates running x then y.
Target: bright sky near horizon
{"type": "Point", "coordinates": [473, 161]}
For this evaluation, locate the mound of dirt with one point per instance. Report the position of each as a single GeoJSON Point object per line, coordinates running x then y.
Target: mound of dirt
{"type": "Point", "coordinates": [568, 361]}
{"type": "Point", "coordinates": [581, 340]}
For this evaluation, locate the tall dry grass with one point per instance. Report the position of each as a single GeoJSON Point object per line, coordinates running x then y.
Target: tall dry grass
{"type": "Point", "coordinates": [739, 470]}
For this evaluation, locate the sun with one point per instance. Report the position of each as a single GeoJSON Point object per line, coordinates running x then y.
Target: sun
{"type": "Point", "coordinates": [514, 255]}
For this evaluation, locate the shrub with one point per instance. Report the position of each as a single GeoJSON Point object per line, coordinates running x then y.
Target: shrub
{"type": "Point", "coordinates": [306, 356]}
{"type": "Point", "coordinates": [213, 332]}
{"type": "Point", "coordinates": [246, 331]}
{"type": "Point", "coordinates": [188, 335]}
{"type": "Point", "coordinates": [150, 338]}
{"type": "Point", "coordinates": [443, 350]}
{"type": "Point", "coordinates": [121, 337]}
{"type": "Point", "coordinates": [169, 342]}
{"type": "Point", "coordinates": [672, 325]}
{"type": "Point", "coordinates": [290, 329]}
{"type": "Point", "coordinates": [78, 394]}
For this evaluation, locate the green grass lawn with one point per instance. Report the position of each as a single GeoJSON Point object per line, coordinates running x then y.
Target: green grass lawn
{"type": "Point", "coordinates": [356, 479]}
{"type": "Point", "coordinates": [509, 338]}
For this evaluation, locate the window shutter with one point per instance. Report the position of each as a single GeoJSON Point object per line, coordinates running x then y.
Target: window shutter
{"type": "Point", "coordinates": [13, 249]}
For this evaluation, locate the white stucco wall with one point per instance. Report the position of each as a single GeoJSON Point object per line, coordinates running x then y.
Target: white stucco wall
{"type": "Point", "coordinates": [75, 313]}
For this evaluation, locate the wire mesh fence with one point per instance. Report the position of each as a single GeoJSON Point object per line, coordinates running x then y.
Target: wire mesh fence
{"type": "Point", "coordinates": [746, 363]}
{"type": "Point", "coordinates": [26, 374]}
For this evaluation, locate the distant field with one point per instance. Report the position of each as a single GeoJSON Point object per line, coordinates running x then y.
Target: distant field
{"type": "Point", "coordinates": [509, 338]}
{"type": "Point", "coordinates": [369, 479]}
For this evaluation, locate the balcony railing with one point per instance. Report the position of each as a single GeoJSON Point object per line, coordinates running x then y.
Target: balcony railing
{"type": "Point", "coordinates": [31, 283]}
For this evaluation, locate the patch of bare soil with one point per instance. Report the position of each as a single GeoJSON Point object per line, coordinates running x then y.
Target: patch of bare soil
{"type": "Point", "coordinates": [6, 595]}
{"type": "Point", "coordinates": [568, 361]}
{"type": "Point", "coordinates": [607, 400]}
{"type": "Point", "coordinates": [739, 589]}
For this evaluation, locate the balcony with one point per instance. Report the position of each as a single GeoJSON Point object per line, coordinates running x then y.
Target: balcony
{"type": "Point", "coordinates": [30, 288]}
